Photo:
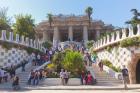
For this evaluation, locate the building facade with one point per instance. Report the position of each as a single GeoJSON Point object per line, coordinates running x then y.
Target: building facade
{"type": "Point", "coordinates": [71, 28]}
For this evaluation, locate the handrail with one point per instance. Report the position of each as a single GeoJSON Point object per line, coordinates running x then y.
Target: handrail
{"type": "Point", "coordinates": [21, 40]}
{"type": "Point", "coordinates": [116, 37]}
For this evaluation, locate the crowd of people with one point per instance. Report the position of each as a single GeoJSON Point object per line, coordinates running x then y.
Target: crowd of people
{"type": "Point", "coordinates": [36, 76]}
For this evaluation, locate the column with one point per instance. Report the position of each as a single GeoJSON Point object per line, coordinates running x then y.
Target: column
{"type": "Point", "coordinates": [85, 34]}
{"type": "Point", "coordinates": [70, 34]}
{"type": "Point", "coordinates": [45, 36]}
{"type": "Point", "coordinates": [55, 37]}
{"type": "Point", "coordinates": [97, 34]}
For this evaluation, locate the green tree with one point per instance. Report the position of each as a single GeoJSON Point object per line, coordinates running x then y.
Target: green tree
{"type": "Point", "coordinates": [90, 44]}
{"type": "Point", "coordinates": [24, 25]}
{"type": "Point", "coordinates": [73, 62]}
{"type": "Point", "coordinates": [89, 11]}
{"type": "Point", "coordinates": [4, 19]}
{"type": "Point", "coordinates": [57, 59]}
{"type": "Point", "coordinates": [47, 44]}
{"type": "Point", "coordinates": [49, 16]}
{"type": "Point", "coordinates": [134, 20]}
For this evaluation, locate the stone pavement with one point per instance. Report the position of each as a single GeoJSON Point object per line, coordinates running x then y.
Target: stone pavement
{"type": "Point", "coordinates": [72, 91]}
{"type": "Point", "coordinates": [51, 85]}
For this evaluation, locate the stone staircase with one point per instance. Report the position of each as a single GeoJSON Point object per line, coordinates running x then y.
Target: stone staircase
{"type": "Point", "coordinates": [23, 76]}
{"type": "Point", "coordinates": [103, 78]}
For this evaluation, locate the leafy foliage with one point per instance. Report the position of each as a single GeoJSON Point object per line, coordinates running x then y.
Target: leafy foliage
{"type": "Point", "coordinates": [90, 44]}
{"type": "Point", "coordinates": [57, 59]}
{"type": "Point", "coordinates": [49, 16]}
{"type": "Point", "coordinates": [47, 44]}
{"type": "Point", "coordinates": [110, 65]}
{"type": "Point", "coordinates": [24, 25]}
{"type": "Point", "coordinates": [73, 62]}
{"type": "Point", "coordinates": [134, 20]}
{"type": "Point", "coordinates": [130, 42]}
{"type": "Point", "coordinates": [109, 48]}
{"type": "Point", "coordinates": [4, 19]}
{"type": "Point", "coordinates": [89, 11]}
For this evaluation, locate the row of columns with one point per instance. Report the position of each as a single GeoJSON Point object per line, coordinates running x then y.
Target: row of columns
{"type": "Point", "coordinates": [56, 35]}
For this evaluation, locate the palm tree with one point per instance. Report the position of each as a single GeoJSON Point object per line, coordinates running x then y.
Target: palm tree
{"type": "Point", "coordinates": [134, 20]}
{"type": "Point", "coordinates": [135, 13]}
{"type": "Point", "coordinates": [49, 16]}
{"type": "Point", "coordinates": [89, 11]}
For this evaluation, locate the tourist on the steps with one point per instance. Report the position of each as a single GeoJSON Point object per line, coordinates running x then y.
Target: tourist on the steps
{"type": "Point", "coordinates": [12, 71]}
{"type": "Point", "coordinates": [82, 76]}
{"type": "Point", "coordinates": [66, 77]}
{"type": "Point", "coordinates": [125, 76]}
{"type": "Point", "coordinates": [101, 65]}
{"type": "Point", "coordinates": [36, 78]}
{"type": "Point", "coordinates": [15, 83]}
{"type": "Point", "coordinates": [38, 59]}
{"type": "Point", "coordinates": [89, 78]}
{"type": "Point", "coordinates": [85, 79]}
{"type": "Point", "coordinates": [31, 77]}
{"type": "Point", "coordinates": [23, 65]}
{"type": "Point", "coordinates": [62, 76]}
{"type": "Point", "coordinates": [1, 75]}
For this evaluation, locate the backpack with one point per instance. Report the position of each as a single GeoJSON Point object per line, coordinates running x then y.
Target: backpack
{"type": "Point", "coordinates": [125, 72]}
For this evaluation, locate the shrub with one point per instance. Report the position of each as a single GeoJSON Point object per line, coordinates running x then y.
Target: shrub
{"type": "Point", "coordinates": [47, 44]}
{"type": "Point", "coordinates": [90, 44]}
{"type": "Point", "coordinates": [109, 48]}
{"type": "Point", "coordinates": [130, 42]}
{"type": "Point", "coordinates": [110, 65]}
{"type": "Point", "coordinates": [73, 62]}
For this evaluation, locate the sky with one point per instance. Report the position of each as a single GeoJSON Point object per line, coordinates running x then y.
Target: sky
{"type": "Point", "coordinates": [114, 12]}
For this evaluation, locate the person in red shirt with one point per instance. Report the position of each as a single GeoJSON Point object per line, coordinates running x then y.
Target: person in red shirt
{"type": "Point", "coordinates": [89, 78]}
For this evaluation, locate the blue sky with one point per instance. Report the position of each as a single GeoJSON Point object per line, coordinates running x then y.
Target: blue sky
{"type": "Point", "coordinates": [114, 12]}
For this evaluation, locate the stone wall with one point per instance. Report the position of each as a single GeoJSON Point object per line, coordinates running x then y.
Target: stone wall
{"type": "Point", "coordinates": [12, 56]}
{"type": "Point", "coordinates": [122, 56]}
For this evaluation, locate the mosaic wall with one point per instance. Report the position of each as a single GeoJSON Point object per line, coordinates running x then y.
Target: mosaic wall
{"type": "Point", "coordinates": [118, 56]}
{"type": "Point", "coordinates": [12, 56]}
{"type": "Point", "coordinates": [123, 56]}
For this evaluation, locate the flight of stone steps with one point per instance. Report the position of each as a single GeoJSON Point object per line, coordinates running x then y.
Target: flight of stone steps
{"type": "Point", "coordinates": [103, 78]}
{"type": "Point", "coordinates": [23, 76]}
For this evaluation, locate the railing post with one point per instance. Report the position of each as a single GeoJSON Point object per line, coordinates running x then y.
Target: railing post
{"type": "Point", "coordinates": [131, 31]}
{"type": "Point", "coordinates": [108, 39]}
{"type": "Point", "coordinates": [27, 41]}
{"type": "Point", "coordinates": [17, 38]}
{"type": "Point", "coordinates": [22, 40]}
{"type": "Point", "coordinates": [104, 40]}
{"type": "Point", "coordinates": [123, 33]}
{"type": "Point", "coordinates": [31, 42]}
{"type": "Point", "coordinates": [97, 44]}
{"type": "Point", "coordinates": [3, 37]}
{"type": "Point", "coordinates": [112, 37]}
{"type": "Point", "coordinates": [101, 42]}
{"type": "Point", "coordinates": [138, 30]}
{"type": "Point", "coordinates": [35, 44]}
{"type": "Point", "coordinates": [11, 37]}
{"type": "Point", "coordinates": [118, 35]}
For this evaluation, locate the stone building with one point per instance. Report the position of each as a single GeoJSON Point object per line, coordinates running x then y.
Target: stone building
{"type": "Point", "coordinates": [71, 28]}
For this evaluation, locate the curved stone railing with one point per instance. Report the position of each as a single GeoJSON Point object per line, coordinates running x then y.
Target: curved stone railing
{"type": "Point", "coordinates": [21, 40]}
{"type": "Point", "coordinates": [116, 37]}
